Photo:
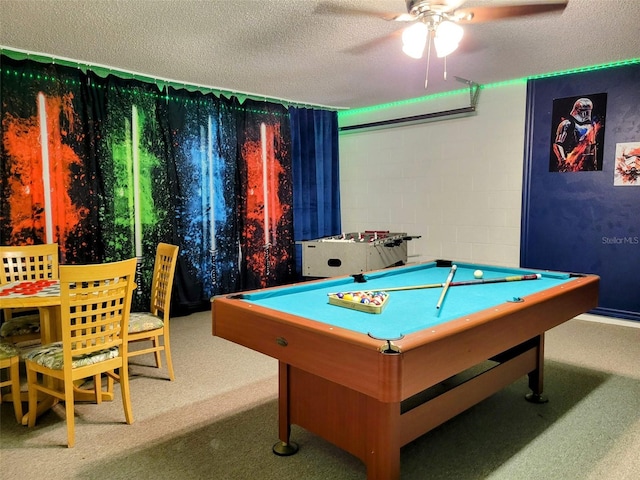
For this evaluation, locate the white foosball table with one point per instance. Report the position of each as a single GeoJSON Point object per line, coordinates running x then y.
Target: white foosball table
{"type": "Point", "coordinates": [353, 253]}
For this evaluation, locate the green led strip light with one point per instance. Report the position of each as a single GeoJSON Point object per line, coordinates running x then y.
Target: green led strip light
{"type": "Point", "coordinates": [134, 91]}
{"type": "Point", "coordinates": [386, 106]}
{"type": "Point", "coordinates": [161, 84]}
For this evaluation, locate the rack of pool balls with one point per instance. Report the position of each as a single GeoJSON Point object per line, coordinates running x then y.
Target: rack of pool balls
{"type": "Point", "coordinates": [365, 301]}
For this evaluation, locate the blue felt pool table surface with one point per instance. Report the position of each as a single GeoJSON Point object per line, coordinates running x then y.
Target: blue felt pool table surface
{"type": "Point", "coordinates": [407, 311]}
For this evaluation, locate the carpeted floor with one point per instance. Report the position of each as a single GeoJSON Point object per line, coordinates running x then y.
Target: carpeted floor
{"type": "Point", "coordinates": [218, 420]}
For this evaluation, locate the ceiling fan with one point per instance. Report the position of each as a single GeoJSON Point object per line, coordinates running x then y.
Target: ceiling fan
{"type": "Point", "coordinates": [438, 22]}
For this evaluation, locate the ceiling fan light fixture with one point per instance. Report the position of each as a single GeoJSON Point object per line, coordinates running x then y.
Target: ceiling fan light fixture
{"type": "Point", "coordinates": [414, 39]}
{"type": "Point", "coordinates": [447, 38]}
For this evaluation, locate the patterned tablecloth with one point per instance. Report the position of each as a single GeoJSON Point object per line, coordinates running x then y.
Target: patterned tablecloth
{"type": "Point", "coordinates": [36, 288]}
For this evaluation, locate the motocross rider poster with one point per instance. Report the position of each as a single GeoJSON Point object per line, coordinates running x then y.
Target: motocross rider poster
{"type": "Point", "coordinates": [577, 133]}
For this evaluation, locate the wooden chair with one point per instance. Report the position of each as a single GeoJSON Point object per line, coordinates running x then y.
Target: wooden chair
{"type": "Point", "coordinates": [150, 326]}
{"type": "Point", "coordinates": [20, 263]}
{"type": "Point", "coordinates": [94, 313]}
{"type": "Point", "coordinates": [9, 359]}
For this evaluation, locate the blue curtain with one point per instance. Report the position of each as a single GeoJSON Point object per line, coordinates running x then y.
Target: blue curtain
{"type": "Point", "coordinates": [316, 179]}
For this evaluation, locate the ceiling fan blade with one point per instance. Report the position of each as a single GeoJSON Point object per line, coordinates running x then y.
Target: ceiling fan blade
{"type": "Point", "coordinates": [366, 47]}
{"type": "Point", "coordinates": [401, 17]}
{"type": "Point", "coordinates": [487, 14]}
{"type": "Point", "coordinates": [327, 7]}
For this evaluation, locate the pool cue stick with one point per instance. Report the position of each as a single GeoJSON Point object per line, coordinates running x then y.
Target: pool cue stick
{"type": "Point", "coordinates": [512, 278]}
{"type": "Point", "coordinates": [482, 281]}
{"type": "Point", "coordinates": [452, 272]}
{"type": "Point", "coordinates": [410, 287]}
{"type": "Point", "coordinates": [394, 289]}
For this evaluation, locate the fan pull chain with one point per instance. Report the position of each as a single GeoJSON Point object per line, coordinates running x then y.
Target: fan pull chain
{"type": "Point", "coordinates": [426, 79]}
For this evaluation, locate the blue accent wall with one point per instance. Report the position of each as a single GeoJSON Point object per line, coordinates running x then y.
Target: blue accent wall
{"type": "Point", "coordinates": [580, 221]}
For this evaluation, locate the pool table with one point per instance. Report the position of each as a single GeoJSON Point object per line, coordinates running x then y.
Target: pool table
{"type": "Point", "coordinates": [373, 382]}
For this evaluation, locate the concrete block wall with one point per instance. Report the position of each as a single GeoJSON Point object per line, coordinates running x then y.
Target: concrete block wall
{"type": "Point", "coordinates": [455, 182]}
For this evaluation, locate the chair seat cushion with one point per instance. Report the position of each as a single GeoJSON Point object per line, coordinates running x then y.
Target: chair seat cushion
{"type": "Point", "coordinates": [51, 356]}
{"type": "Point", "coordinates": [7, 351]}
{"type": "Point", "coordinates": [143, 322]}
{"type": "Point", "coordinates": [25, 325]}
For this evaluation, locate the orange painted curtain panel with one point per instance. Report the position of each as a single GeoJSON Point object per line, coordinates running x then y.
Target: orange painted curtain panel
{"type": "Point", "coordinates": [109, 167]}
{"type": "Point", "coordinates": [49, 186]}
{"type": "Point", "coordinates": [266, 210]}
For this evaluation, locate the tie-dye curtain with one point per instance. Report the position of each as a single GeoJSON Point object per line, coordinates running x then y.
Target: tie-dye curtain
{"type": "Point", "coordinates": [125, 166]}
{"type": "Point", "coordinates": [49, 186]}
{"type": "Point", "coordinates": [202, 141]}
{"type": "Point", "coordinates": [137, 207]}
{"type": "Point", "coordinates": [266, 206]}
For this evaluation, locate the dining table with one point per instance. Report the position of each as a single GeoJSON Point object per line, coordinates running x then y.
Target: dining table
{"type": "Point", "coordinates": [43, 295]}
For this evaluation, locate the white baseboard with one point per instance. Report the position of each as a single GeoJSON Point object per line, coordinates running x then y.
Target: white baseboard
{"type": "Point", "coordinates": [609, 320]}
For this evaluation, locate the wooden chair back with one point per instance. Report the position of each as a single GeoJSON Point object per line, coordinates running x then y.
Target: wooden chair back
{"type": "Point", "coordinates": [95, 307]}
{"type": "Point", "coordinates": [26, 263]}
{"type": "Point", "coordinates": [164, 270]}
{"type": "Point", "coordinates": [29, 262]}
{"type": "Point", "coordinates": [153, 326]}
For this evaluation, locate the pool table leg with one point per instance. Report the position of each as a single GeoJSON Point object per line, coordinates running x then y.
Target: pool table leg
{"type": "Point", "coordinates": [284, 447]}
{"type": "Point", "coordinates": [373, 432]}
{"type": "Point", "coordinates": [536, 380]}
{"type": "Point", "coordinates": [382, 440]}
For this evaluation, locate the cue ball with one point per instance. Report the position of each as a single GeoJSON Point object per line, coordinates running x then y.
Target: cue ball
{"type": "Point", "coordinates": [477, 274]}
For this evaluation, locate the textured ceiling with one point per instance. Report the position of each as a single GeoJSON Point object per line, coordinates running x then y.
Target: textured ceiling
{"type": "Point", "coordinates": [305, 52]}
